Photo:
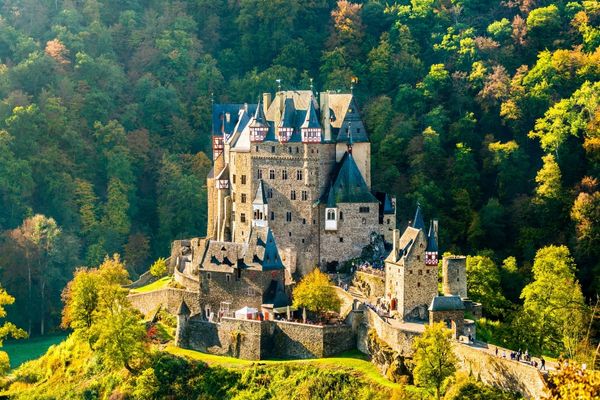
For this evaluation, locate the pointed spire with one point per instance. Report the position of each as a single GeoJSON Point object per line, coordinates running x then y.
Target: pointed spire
{"type": "Point", "coordinates": [418, 222]}
{"type": "Point", "coordinates": [259, 116]}
{"type": "Point", "coordinates": [183, 309]}
{"type": "Point", "coordinates": [350, 141]}
{"type": "Point", "coordinates": [260, 197]}
{"type": "Point", "coordinates": [432, 245]}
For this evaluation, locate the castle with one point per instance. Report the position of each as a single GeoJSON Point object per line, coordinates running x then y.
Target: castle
{"type": "Point", "coordinates": [300, 167]}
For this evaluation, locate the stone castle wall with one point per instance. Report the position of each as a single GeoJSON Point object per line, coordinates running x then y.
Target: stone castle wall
{"type": "Point", "coordinates": [500, 372]}
{"type": "Point", "coordinates": [256, 340]}
{"type": "Point", "coordinates": [454, 276]}
{"type": "Point", "coordinates": [373, 286]}
{"type": "Point", "coordinates": [169, 298]}
{"type": "Point", "coordinates": [187, 281]}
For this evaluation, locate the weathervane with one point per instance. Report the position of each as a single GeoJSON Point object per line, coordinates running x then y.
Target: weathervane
{"type": "Point", "coordinates": [278, 84]}
{"type": "Point", "coordinates": [311, 84]}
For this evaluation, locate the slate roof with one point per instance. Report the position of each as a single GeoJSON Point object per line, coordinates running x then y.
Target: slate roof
{"type": "Point", "coordinates": [432, 245]}
{"type": "Point", "coordinates": [348, 185]}
{"type": "Point", "coordinates": [288, 115]}
{"type": "Point", "coordinates": [418, 222]}
{"type": "Point", "coordinates": [446, 303]}
{"type": "Point", "coordinates": [260, 197]}
{"type": "Point", "coordinates": [352, 125]}
{"type": "Point", "coordinates": [275, 294]}
{"type": "Point", "coordinates": [183, 309]}
{"type": "Point", "coordinates": [225, 117]}
{"type": "Point", "coordinates": [310, 118]}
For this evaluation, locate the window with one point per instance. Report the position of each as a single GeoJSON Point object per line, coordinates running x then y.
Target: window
{"type": "Point", "coordinates": [388, 221]}
{"type": "Point", "coordinates": [272, 215]}
{"type": "Point", "coordinates": [270, 193]}
{"type": "Point", "coordinates": [293, 195]}
{"type": "Point", "coordinates": [418, 284]}
{"type": "Point", "coordinates": [427, 271]}
{"type": "Point", "coordinates": [243, 197]}
{"type": "Point", "coordinates": [290, 234]}
{"type": "Point", "coordinates": [341, 240]}
{"type": "Point", "coordinates": [330, 215]}
{"type": "Point", "coordinates": [288, 216]}
{"type": "Point", "coordinates": [363, 210]}
{"type": "Point", "coordinates": [242, 219]}
{"type": "Point", "coordinates": [299, 175]}
{"type": "Point", "coordinates": [302, 240]}
{"type": "Point", "coordinates": [303, 221]}
{"type": "Point", "coordinates": [304, 195]}
{"type": "Point", "coordinates": [272, 149]}
{"type": "Point", "coordinates": [284, 174]}
{"type": "Point", "coordinates": [257, 149]}
{"type": "Point", "coordinates": [227, 278]}
{"type": "Point", "coordinates": [250, 291]}
{"type": "Point", "coordinates": [208, 276]}
{"type": "Point", "coordinates": [271, 174]}
{"type": "Point", "coordinates": [243, 179]}
{"type": "Point", "coordinates": [420, 272]}
{"type": "Point", "coordinates": [312, 151]}
{"type": "Point", "coordinates": [233, 178]}
{"type": "Point", "coordinates": [259, 175]}
{"type": "Point", "coordinates": [341, 215]}
{"type": "Point", "coordinates": [290, 150]}
{"type": "Point", "coordinates": [297, 150]}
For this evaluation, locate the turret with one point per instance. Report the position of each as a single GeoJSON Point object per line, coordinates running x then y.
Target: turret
{"type": "Point", "coordinates": [183, 316]}
{"type": "Point", "coordinates": [260, 206]}
{"type": "Point", "coordinates": [258, 126]}
{"type": "Point", "coordinates": [454, 276]}
{"type": "Point", "coordinates": [285, 128]}
{"type": "Point", "coordinates": [431, 252]}
{"type": "Point", "coordinates": [311, 128]}
{"type": "Point", "coordinates": [418, 222]}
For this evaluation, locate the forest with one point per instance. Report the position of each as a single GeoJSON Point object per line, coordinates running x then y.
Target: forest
{"type": "Point", "coordinates": [485, 112]}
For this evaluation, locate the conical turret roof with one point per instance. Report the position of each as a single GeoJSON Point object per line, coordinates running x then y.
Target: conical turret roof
{"type": "Point", "coordinates": [418, 222]}
{"type": "Point", "coordinates": [432, 245]}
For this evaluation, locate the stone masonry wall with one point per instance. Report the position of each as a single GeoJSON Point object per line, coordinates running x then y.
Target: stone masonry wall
{"type": "Point", "coordinates": [294, 340]}
{"type": "Point", "coordinates": [502, 373]}
{"type": "Point", "coordinates": [170, 298]}
{"type": "Point", "coordinates": [373, 286]}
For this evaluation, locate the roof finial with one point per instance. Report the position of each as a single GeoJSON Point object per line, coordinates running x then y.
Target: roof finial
{"type": "Point", "coordinates": [353, 80]}
{"type": "Point", "coordinates": [278, 84]}
{"type": "Point", "coordinates": [350, 142]}
{"type": "Point", "coordinates": [311, 84]}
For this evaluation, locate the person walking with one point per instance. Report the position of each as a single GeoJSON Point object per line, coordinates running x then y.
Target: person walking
{"type": "Point", "coordinates": [543, 362]}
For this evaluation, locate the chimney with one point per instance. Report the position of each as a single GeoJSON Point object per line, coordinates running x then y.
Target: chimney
{"type": "Point", "coordinates": [326, 122]}
{"type": "Point", "coordinates": [266, 102]}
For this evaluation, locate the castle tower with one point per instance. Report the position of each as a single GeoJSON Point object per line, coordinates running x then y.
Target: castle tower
{"type": "Point", "coordinates": [183, 316]}
{"type": "Point", "coordinates": [454, 276]}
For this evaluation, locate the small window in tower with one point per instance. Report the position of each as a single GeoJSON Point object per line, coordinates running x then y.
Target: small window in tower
{"type": "Point", "coordinates": [270, 193]}
{"type": "Point", "coordinates": [293, 195]}
{"type": "Point", "coordinates": [271, 174]}
{"type": "Point", "coordinates": [242, 219]}
{"type": "Point", "coordinates": [208, 276]}
{"type": "Point", "coordinates": [303, 221]}
{"type": "Point", "coordinates": [284, 174]}
{"type": "Point", "coordinates": [420, 272]}
{"type": "Point", "coordinates": [418, 284]}
{"type": "Point", "coordinates": [330, 215]}
{"type": "Point", "coordinates": [290, 234]}
{"type": "Point", "coordinates": [388, 221]}
{"type": "Point", "coordinates": [341, 215]}
{"type": "Point", "coordinates": [312, 151]}
{"type": "Point", "coordinates": [299, 174]}
{"type": "Point", "coordinates": [288, 216]}
{"type": "Point", "coordinates": [457, 279]}
{"type": "Point", "coordinates": [341, 240]}
{"type": "Point", "coordinates": [302, 240]}
{"type": "Point", "coordinates": [304, 195]}
{"type": "Point", "coordinates": [272, 149]}
{"type": "Point", "coordinates": [259, 174]}
{"type": "Point", "coordinates": [227, 278]}
{"type": "Point", "coordinates": [243, 197]}
{"type": "Point", "coordinates": [233, 178]}
{"type": "Point", "coordinates": [243, 179]}
{"type": "Point", "coordinates": [363, 210]}
{"type": "Point", "coordinates": [272, 216]}
{"type": "Point", "coordinates": [297, 150]}
{"type": "Point", "coordinates": [418, 258]}
{"type": "Point", "coordinates": [257, 149]}
{"type": "Point", "coordinates": [290, 150]}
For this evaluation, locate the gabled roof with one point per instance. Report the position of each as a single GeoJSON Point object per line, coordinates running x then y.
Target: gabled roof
{"type": "Point", "coordinates": [261, 248]}
{"type": "Point", "coordinates": [446, 303]}
{"type": "Point", "coordinates": [288, 114]}
{"type": "Point", "coordinates": [348, 185]}
{"type": "Point", "coordinates": [224, 174]}
{"type": "Point", "coordinates": [260, 197]}
{"type": "Point", "coordinates": [432, 245]}
{"type": "Point", "coordinates": [418, 222]}
{"type": "Point", "coordinates": [352, 124]}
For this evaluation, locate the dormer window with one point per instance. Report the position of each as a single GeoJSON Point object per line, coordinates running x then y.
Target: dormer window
{"type": "Point", "coordinates": [285, 133]}
{"type": "Point", "coordinates": [311, 135]}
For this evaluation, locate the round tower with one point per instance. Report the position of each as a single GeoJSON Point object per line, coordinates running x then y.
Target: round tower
{"type": "Point", "coordinates": [454, 276]}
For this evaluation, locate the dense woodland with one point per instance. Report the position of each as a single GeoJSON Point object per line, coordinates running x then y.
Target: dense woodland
{"type": "Point", "coordinates": [486, 112]}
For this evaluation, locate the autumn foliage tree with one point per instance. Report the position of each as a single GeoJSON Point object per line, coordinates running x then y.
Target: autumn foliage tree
{"type": "Point", "coordinates": [316, 293]}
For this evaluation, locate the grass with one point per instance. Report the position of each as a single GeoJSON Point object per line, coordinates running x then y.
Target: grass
{"type": "Point", "coordinates": [159, 284]}
{"type": "Point", "coordinates": [353, 361]}
{"type": "Point", "coordinates": [20, 351]}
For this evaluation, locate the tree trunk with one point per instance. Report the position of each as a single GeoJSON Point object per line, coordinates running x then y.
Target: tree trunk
{"type": "Point", "coordinates": [30, 297]}
{"type": "Point", "coordinates": [42, 309]}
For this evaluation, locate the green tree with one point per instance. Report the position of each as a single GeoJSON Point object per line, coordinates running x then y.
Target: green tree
{"type": "Point", "coordinates": [483, 284]}
{"type": "Point", "coordinates": [159, 268]}
{"type": "Point", "coordinates": [316, 293]}
{"type": "Point", "coordinates": [555, 302]}
{"type": "Point", "coordinates": [7, 329]}
{"type": "Point", "coordinates": [548, 179]}
{"type": "Point", "coordinates": [434, 357]}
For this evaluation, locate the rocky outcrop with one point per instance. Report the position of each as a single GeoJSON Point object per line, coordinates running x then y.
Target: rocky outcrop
{"type": "Point", "coordinates": [392, 365]}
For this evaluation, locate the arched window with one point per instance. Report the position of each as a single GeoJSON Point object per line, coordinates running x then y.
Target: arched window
{"type": "Point", "coordinates": [331, 215]}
